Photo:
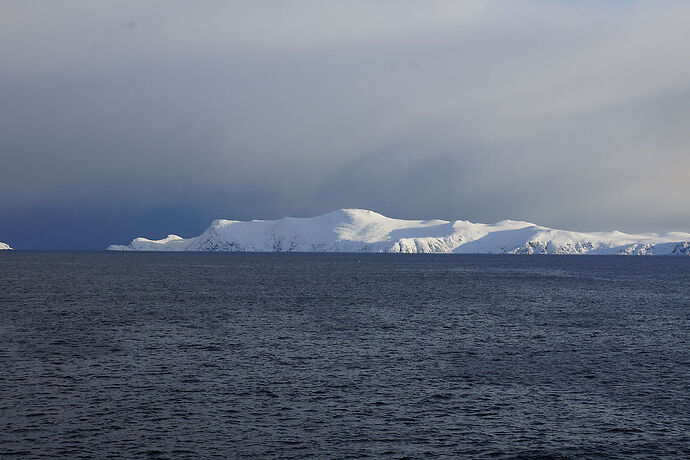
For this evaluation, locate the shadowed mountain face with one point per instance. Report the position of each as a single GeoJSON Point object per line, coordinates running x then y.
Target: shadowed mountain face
{"type": "Point", "coordinates": [360, 230]}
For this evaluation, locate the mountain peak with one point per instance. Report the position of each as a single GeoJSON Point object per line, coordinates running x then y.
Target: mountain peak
{"type": "Point", "coordinates": [362, 230]}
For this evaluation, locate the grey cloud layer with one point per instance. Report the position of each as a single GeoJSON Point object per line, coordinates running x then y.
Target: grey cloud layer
{"type": "Point", "coordinates": [570, 114]}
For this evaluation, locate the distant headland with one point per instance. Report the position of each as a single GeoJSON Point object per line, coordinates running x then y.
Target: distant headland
{"type": "Point", "coordinates": [360, 230]}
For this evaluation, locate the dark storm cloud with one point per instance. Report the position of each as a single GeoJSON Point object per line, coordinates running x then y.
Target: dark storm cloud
{"type": "Point", "coordinates": [121, 119]}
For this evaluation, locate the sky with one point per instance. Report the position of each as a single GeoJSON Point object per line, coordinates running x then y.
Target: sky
{"type": "Point", "coordinates": [124, 118]}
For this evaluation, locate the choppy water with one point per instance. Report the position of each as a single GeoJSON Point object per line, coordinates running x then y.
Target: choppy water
{"type": "Point", "coordinates": [330, 356]}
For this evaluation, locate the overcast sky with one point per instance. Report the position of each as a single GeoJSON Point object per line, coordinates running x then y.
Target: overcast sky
{"type": "Point", "coordinates": [123, 119]}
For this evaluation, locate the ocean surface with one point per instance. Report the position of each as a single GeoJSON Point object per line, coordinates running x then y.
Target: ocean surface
{"type": "Point", "coordinates": [343, 355]}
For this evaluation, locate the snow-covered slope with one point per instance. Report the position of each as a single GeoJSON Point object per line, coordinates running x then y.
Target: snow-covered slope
{"type": "Point", "coordinates": [359, 230]}
{"type": "Point", "coordinates": [4, 246]}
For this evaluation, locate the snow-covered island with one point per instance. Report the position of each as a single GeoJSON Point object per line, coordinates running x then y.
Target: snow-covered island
{"type": "Point", "coordinates": [4, 246]}
{"type": "Point", "coordinates": [359, 230]}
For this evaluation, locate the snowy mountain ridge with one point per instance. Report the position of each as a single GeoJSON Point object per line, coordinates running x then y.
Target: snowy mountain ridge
{"type": "Point", "coordinates": [4, 246]}
{"type": "Point", "coordinates": [360, 230]}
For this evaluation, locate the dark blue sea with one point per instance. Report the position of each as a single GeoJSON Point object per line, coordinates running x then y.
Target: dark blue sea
{"type": "Point", "coordinates": [343, 356]}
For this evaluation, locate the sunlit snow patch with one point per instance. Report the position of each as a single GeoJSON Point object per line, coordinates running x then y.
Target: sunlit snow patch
{"type": "Point", "coordinates": [360, 230]}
